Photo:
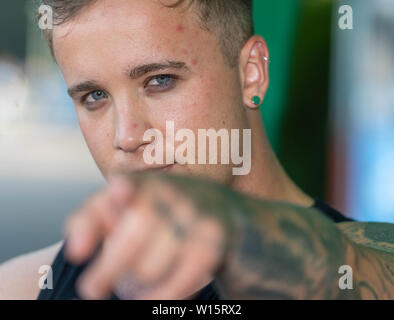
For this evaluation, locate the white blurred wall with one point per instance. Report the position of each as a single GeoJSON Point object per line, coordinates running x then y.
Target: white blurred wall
{"type": "Point", "coordinates": [46, 170]}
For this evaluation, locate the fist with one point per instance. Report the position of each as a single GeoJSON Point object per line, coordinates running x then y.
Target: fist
{"type": "Point", "coordinates": [153, 236]}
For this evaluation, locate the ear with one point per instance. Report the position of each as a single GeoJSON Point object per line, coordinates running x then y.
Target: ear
{"type": "Point", "coordinates": [253, 68]}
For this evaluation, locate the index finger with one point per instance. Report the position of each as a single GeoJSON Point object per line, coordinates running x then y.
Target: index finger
{"type": "Point", "coordinates": [88, 226]}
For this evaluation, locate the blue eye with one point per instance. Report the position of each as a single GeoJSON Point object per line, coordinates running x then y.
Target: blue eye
{"type": "Point", "coordinates": [163, 80]}
{"type": "Point", "coordinates": [161, 83]}
{"type": "Point", "coordinates": [95, 96]}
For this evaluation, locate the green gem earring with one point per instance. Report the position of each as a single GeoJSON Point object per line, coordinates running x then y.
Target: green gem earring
{"type": "Point", "coordinates": [256, 100]}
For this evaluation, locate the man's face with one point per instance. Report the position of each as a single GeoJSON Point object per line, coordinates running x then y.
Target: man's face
{"type": "Point", "coordinates": [100, 53]}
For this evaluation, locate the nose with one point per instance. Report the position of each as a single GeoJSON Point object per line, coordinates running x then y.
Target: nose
{"type": "Point", "coordinates": [130, 127]}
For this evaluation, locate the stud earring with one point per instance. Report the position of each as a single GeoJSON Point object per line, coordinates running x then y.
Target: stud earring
{"type": "Point", "coordinates": [256, 100]}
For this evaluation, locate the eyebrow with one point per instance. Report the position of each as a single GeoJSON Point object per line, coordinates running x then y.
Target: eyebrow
{"type": "Point", "coordinates": [133, 73]}
{"type": "Point", "coordinates": [144, 69]}
{"type": "Point", "coordinates": [88, 85]}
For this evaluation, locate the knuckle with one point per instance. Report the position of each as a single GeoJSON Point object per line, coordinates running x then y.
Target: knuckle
{"type": "Point", "coordinates": [211, 228]}
{"type": "Point", "coordinates": [149, 274]}
{"type": "Point", "coordinates": [94, 201]}
{"type": "Point", "coordinates": [99, 201]}
{"type": "Point", "coordinates": [211, 234]}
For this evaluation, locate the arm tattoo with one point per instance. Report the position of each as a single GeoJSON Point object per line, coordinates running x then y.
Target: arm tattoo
{"type": "Point", "coordinates": [282, 251]}
{"type": "Point", "coordinates": [279, 255]}
{"type": "Point", "coordinates": [165, 211]}
{"type": "Point", "coordinates": [375, 257]}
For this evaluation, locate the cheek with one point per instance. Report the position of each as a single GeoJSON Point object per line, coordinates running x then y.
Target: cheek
{"type": "Point", "coordinates": [98, 139]}
{"type": "Point", "coordinates": [192, 113]}
{"type": "Point", "coordinates": [209, 95]}
{"type": "Point", "coordinates": [207, 107]}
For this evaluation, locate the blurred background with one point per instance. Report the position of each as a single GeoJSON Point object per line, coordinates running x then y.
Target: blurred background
{"type": "Point", "coordinates": [329, 113]}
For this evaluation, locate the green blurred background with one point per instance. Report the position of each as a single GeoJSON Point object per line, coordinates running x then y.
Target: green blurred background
{"type": "Point", "coordinates": [295, 110]}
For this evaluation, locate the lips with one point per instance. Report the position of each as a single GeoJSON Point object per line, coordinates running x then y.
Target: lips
{"type": "Point", "coordinates": [159, 169]}
{"type": "Point", "coordinates": [127, 168]}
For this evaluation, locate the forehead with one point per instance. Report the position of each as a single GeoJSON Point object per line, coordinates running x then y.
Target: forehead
{"type": "Point", "coordinates": [120, 28]}
{"type": "Point", "coordinates": [101, 14]}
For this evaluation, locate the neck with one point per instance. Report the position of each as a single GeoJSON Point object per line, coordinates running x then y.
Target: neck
{"type": "Point", "coordinates": [267, 178]}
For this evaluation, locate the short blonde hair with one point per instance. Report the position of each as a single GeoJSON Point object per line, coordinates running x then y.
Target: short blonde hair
{"type": "Point", "coordinates": [230, 20]}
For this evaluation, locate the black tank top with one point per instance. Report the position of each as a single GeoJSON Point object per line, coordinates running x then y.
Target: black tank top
{"type": "Point", "coordinates": [65, 275]}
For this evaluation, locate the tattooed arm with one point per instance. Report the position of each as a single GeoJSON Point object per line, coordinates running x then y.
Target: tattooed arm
{"type": "Point", "coordinates": [288, 252]}
{"type": "Point", "coordinates": [374, 258]}
{"type": "Point", "coordinates": [283, 251]}
{"type": "Point", "coordinates": [253, 248]}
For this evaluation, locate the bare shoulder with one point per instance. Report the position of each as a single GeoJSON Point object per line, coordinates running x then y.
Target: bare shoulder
{"type": "Point", "coordinates": [19, 276]}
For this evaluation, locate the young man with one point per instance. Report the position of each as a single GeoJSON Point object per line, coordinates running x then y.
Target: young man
{"type": "Point", "coordinates": [197, 231]}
